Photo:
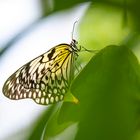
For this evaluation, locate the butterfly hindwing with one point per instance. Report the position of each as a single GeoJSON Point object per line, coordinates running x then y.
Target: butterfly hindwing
{"type": "Point", "coordinates": [45, 79]}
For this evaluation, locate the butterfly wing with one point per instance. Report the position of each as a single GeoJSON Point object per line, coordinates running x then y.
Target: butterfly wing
{"type": "Point", "coordinates": [45, 79]}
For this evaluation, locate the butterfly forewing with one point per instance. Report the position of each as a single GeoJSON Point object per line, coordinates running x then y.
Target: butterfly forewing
{"type": "Point", "coordinates": [45, 79]}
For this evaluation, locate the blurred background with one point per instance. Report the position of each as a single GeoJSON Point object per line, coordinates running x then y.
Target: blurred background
{"type": "Point", "coordinates": [29, 28]}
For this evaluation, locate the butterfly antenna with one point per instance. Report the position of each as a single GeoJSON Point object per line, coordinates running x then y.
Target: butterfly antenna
{"type": "Point", "coordinates": [73, 29]}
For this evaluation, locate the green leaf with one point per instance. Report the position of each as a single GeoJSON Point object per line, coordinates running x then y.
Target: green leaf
{"type": "Point", "coordinates": [107, 89]}
{"type": "Point", "coordinates": [64, 4]}
{"type": "Point", "coordinates": [38, 128]}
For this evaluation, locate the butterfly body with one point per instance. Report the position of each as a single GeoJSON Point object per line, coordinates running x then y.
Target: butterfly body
{"type": "Point", "coordinates": [45, 79]}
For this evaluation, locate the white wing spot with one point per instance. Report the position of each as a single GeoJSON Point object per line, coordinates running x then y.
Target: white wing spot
{"type": "Point", "coordinates": [37, 86]}
{"type": "Point", "coordinates": [61, 97]}
{"type": "Point", "coordinates": [34, 95]}
{"type": "Point", "coordinates": [52, 99]}
{"type": "Point", "coordinates": [49, 95]}
{"type": "Point", "coordinates": [37, 90]}
{"type": "Point", "coordinates": [17, 81]}
{"type": "Point", "coordinates": [13, 96]}
{"type": "Point", "coordinates": [39, 94]}
{"type": "Point", "coordinates": [16, 97]}
{"type": "Point", "coordinates": [55, 90]}
{"type": "Point", "coordinates": [50, 91]}
{"type": "Point", "coordinates": [56, 99]}
{"type": "Point", "coordinates": [12, 89]}
{"type": "Point", "coordinates": [43, 86]}
{"type": "Point", "coordinates": [30, 94]}
{"type": "Point", "coordinates": [42, 100]}
{"type": "Point", "coordinates": [10, 96]}
{"type": "Point", "coordinates": [21, 95]}
{"type": "Point", "coordinates": [37, 100]}
{"type": "Point", "coordinates": [25, 95]}
{"type": "Point", "coordinates": [18, 88]}
{"type": "Point", "coordinates": [10, 85]}
{"type": "Point", "coordinates": [47, 101]}
{"type": "Point", "coordinates": [63, 91]}
{"type": "Point", "coordinates": [7, 82]}
{"type": "Point", "coordinates": [44, 93]}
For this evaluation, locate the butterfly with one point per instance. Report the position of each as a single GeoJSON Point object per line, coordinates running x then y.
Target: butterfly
{"type": "Point", "coordinates": [45, 79]}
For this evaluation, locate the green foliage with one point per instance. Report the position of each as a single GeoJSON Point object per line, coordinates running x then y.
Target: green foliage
{"type": "Point", "coordinates": [37, 132]}
{"type": "Point", "coordinates": [108, 95]}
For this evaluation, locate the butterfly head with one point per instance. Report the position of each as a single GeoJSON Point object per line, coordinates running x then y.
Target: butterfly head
{"type": "Point", "coordinates": [74, 45]}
